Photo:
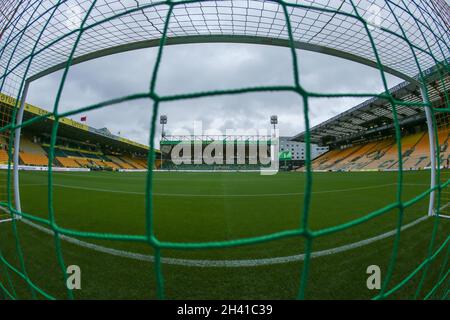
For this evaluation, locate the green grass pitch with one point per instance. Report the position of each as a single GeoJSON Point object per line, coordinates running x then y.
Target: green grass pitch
{"type": "Point", "coordinates": [198, 207]}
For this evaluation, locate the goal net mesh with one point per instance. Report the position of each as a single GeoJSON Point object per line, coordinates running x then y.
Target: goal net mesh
{"type": "Point", "coordinates": [406, 38]}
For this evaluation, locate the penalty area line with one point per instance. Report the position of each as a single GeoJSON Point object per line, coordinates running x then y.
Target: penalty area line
{"type": "Point", "coordinates": [217, 195]}
{"type": "Point", "coordinates": [161, 194]}
{"type": "Point", "coordinates": [206, 263]}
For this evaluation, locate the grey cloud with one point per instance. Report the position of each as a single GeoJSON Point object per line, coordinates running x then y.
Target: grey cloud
{"type": "Point", "coordinates": [196, 68]}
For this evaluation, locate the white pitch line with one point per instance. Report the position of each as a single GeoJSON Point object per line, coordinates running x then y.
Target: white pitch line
{"type": "Point", "coordinates": [5, 217]}
{"type": "Point", "coordinates": [222, 263]}
{"type": "Point", "coordinates": [219, 195]}
{"type": "Point", "coordinates": [444, 206]}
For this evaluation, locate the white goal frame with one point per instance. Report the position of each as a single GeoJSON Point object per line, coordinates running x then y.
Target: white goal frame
{"type": "Point", "coordinates": [351, 50]}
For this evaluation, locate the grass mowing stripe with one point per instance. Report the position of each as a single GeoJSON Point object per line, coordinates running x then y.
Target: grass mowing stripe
{"type": "Point", "coordinates": [202, 221]}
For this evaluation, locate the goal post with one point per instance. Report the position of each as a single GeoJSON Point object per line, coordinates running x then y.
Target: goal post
{"type": "Point", "coordinates": [5, 214]}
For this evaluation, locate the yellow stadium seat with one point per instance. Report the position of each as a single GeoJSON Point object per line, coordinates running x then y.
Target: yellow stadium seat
{"type": "Point", "coordinates": [33, 159]}
{"type": "Point", "coordinates": [3, 156]}
{"type": "Point", "coordinates": [68, 162]}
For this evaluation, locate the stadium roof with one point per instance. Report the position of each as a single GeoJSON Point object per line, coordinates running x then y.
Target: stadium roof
{"type": "Point", "coordinates": [47, 31]}
{"type": "Point", "coordinates": [376, 114]}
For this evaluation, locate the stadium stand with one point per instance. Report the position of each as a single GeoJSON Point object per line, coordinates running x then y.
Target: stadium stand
{"type": "Point", "coordinates": [383, 155]}
{"type": "Point", "coordinates": [98, 163]}
{"type": "Point", "coordinates": [128, 160]}
{"type": "Point", "coordinates": [112, 165]}
{"type": "Point", "coordinates": [71, 158]}
{"type": "Point", "coordinates": [361, 158]}
{"type": "Point", "coordinates": [68, 162]}
{"type": "Point", "coordinates": [122, 164]}
{"type": "Point", "coordinates": [32, 153]}
{"type": "Point", "coordinates": [324, 161]}
{"type": "Point", "coordinates": [71, 153]}
{"type": "Point", "coordinates": [343, 156]}
{"type": "Point", "coordinates": [378, 155]}
{"type": "Point", "coordinates": [338, 159]}
{"type": "Point", "coordinates": [82, 161]}
{"type": "Point", "coordinates": [443, 137]}
{"type": "Point", "coordinates": [136, 163]}
{"type": "Point", "coordinates": [28, 146]}
{"type": "Point", "coordinates": [143, 162]}
{"type": "Point", "coordinates": [77, 144]}
{"type": "Point", "coordinates": [104, 163]}
{"type": "Point", "coordinates": [409, 143]}
{"type": "Point", "coordinates": [33, 159]}
{"type": "Point", "coordinates": [420, 156]}
{"type": "Point", "coordinates": [3, 157]}
{"type": "Point", "coordinates": [370, 126]}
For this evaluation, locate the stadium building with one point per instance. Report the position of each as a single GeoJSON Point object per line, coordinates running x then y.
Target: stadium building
{"type": "Point", "coordinates": [359, 139]}
{"type": "Point", "coordinates": [78, 147]}
{"type": "Point", "coordinates": [215, 152]}
{"type": "Point", "coordinates": [294, 151]}
{"type": "Point", "coordinates": [363, 137]}
{"type": "Point", "coordinates": [232, 153]}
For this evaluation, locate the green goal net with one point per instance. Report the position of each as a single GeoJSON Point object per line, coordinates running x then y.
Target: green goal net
{"type": "Point", "coordinates": [407, 38]}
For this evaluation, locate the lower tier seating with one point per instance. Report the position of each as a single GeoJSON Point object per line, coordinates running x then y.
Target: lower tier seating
{"type": "Point", "coordinates": [33, 159]}
{"type": "Point", "coordinates": [383, 154]}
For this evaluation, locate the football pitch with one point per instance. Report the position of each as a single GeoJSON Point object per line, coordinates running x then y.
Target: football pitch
{"type": "Point", "coordinates": [193, 208]}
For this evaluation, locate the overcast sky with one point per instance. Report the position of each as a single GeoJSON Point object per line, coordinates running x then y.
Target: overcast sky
{"type": "Point", "coordinates": [200, 67]}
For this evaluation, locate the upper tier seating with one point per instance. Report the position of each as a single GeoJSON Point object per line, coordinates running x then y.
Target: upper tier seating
{"type": "Point", "coordinates": [27, 146]}
{"type": "Point", "coordinates": [32, 153]}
